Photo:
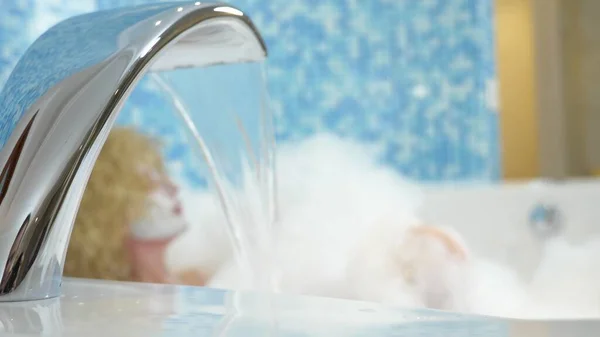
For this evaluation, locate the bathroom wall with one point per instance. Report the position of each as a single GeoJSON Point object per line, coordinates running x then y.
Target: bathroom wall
{"type": "Point", "coordinates": [414, 77]}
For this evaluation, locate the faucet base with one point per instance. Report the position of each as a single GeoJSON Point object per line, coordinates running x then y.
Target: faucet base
{"type": "Point", "coordinates": [32, 290]}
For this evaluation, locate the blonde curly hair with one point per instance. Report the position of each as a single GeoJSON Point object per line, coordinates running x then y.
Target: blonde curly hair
{"type": "Point", "coordinates": [116, 195]}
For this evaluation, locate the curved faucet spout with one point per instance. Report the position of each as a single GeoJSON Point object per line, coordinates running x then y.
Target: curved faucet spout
{"type": "Point", "coordinates": [60, 103]}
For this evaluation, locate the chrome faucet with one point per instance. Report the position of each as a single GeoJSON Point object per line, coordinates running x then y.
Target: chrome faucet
{"type": "Point", "coordinates": [59, 105]}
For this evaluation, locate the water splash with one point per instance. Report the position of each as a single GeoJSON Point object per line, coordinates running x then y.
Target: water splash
{"type": "Point", "coordinates": [241, 169]}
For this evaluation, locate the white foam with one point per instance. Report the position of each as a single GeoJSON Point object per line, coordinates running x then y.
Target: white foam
{"type": "Point", "coordinates": [342, 218]}
{"type": "Point", "coordinates": [567, 281]}
{"type": "Point", "coordinates": [566, 285]}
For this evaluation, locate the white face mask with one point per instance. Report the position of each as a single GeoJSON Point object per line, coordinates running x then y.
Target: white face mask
{"type": "Point", "coordinates": [164, 218]}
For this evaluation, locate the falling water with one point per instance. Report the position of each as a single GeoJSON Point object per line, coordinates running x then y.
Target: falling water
{"type": "Point", "coordinates": [246, 188]}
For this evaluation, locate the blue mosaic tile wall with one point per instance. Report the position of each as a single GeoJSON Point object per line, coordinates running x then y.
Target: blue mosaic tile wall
{"type": "Point", "coordinates": [415, 77]}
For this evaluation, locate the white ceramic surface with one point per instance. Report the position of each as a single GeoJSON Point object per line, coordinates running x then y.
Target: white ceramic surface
{"type": "Point", "coordinates": [98, 308]}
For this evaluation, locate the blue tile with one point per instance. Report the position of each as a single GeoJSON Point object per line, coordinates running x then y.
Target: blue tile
{"type": "Point", "coordinates": [407, 74]}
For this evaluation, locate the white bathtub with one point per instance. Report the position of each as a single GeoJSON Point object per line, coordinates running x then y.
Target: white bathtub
{"type": "Point", "coordinates": [497, 220]}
